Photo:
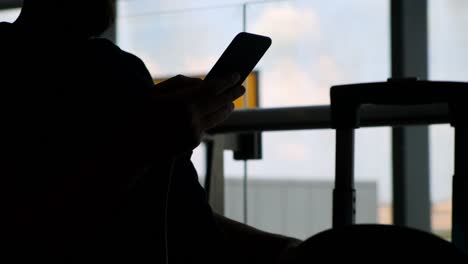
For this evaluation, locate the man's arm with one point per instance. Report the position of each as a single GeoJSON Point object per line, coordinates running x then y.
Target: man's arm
{"type": "Point", "coordinates": [250, 245]}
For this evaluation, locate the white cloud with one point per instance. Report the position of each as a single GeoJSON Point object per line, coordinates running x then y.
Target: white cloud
{"type": "Point", "coordinates": [292, 151]}
{"type": "Point", "coordinates": [288, 24]}
{"type": "Point", "coordinates": [198, 65]}
{"type": "Point", "coordinates": [329, 71]}
{"type": "Point", "coordinates": [190, 66]}
{"type": "Point", "coordinates": [291, 80]}
{"type": "Point", "coordinates": [287, 84]}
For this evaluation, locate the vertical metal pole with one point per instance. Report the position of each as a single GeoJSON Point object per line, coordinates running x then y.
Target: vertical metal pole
{"type": "Point", "coordinates": [460, 190]}
{"type": "Point", "coordinates": [412, 206]}
{"type": "Point", "coordinates": [6, 4]}
{"type": "Point", "coordinates": [344, 193]}
{"type": "Point", "coordinates": [209, 144]}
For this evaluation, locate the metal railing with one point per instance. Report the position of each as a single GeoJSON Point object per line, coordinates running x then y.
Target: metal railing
{"type": "Point", "coordinates": [318, 117]}
{"type": "Point", "coordinates": [5, 4]}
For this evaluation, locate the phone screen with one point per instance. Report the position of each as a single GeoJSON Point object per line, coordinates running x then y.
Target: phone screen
{"type": "Point", "coordinates": [241, 56]}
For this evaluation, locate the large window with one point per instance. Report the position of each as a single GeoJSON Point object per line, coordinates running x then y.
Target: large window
{"type": "Point", "coordinates": [316, 44]}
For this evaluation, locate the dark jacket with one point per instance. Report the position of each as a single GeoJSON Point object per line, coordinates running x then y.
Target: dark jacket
{"type": "Point", "coordinates": [82, 177]}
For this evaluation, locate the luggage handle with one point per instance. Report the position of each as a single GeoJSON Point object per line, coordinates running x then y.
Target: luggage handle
{"type": "Point", "coordinates": [347, 99]}
{"type": "Point", "coordinates": [345, 103]}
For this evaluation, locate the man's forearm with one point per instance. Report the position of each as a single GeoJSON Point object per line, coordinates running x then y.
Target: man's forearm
{"type": "Point", "coordinates": [251, 245]}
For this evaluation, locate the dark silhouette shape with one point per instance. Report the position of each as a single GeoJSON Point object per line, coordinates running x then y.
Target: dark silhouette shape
{"type": "Point", "coordinates": [375, 243]}
{"type": "Point", "coordinates": [89, 146]}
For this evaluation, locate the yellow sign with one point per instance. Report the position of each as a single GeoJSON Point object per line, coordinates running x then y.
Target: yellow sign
{"type": "Point", "coordinates": [250, 97]}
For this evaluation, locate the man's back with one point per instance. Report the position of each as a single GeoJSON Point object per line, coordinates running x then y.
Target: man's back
{"type": "Point", "coordinates": [64, 106]}
{"type": "Point", "coordinates": [79, 174]}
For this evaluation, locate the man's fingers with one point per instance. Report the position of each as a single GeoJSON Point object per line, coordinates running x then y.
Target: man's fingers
{"type": "Point", "coordinates": [211, 105]}
{"type": "Point", "coordinates": [178, 86]}
{"type": "Point", "coordinates": [180, 81]}
{"type": "Point", "coordinates": [218, 86]}
{"type": "Point", "coordinates": [217, 117]}
{"type": "Point", "coordinates": [192, 89]}
{"type": "Point", "coordinates": [230, 81]}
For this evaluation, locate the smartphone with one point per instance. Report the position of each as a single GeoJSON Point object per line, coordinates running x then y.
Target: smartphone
{"type": "Point", "coordinates": [241, 56]}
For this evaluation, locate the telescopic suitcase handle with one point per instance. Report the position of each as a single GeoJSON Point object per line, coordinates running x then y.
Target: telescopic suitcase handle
{"type": "Point", "coordinates": [345, 103]}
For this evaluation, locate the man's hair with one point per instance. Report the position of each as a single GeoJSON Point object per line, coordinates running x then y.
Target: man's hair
{"type": "Point", "coordinates": [84, 18]}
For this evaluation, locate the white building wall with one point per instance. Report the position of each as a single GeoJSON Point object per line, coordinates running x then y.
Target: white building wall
{"type": "Point", "coordinates": [298, 208]}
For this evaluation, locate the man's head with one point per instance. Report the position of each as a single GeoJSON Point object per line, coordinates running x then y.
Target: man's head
{"type": "Point", "coordinates": [76, 18]}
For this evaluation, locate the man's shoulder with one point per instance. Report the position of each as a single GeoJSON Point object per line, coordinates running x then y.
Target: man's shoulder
{"type": "Point", "coordinates": [105, 48]}
{"type": "Point", "coordinates": [114, 57]}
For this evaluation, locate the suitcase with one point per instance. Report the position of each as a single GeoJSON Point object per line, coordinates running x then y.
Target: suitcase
{"type": "Point", "coordinates": [345, 103]}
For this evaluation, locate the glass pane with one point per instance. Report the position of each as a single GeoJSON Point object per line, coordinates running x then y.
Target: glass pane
{"type": "Point", "coordinates": [317, 44]}
{"type": "Point", "coordinates": [448, 55]}
{"type": "Point", "coordinates": [290, 189]}
{"type": "Point", "coordinates": [9, 15]}
{"type": "Point", "coordinates": [448, 60]}
{"type": "Point", "coordinates": [442, 166]}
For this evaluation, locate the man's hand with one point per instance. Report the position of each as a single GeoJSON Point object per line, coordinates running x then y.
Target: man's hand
{"type": "Point", "coordinates": [190, 106]}
{"type": "Point", "coordinates": [246, 244]}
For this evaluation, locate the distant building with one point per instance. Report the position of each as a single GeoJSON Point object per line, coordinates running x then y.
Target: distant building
{"type": "Point", "coordinates": [298, 208]}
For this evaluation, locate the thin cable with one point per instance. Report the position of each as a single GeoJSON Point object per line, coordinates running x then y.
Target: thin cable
{"type": "Point", "coordinates": [245, 193]}
{"type": "Point", "coordinates": [244, 17]}
{"type": "Point", "coordinates": [166, 212]}
{"type": "Point", "coordinates": [246, 101]}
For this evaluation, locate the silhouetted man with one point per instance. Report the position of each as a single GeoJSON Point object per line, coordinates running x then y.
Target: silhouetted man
{"type": "Point", "coordinates": [92, 149]}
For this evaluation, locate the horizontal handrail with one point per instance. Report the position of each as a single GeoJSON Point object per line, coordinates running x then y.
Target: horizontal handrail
{"type": "Point", "coordinates": [318, 117]}
{"type": "Point", "coordinates": [5, 4]}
